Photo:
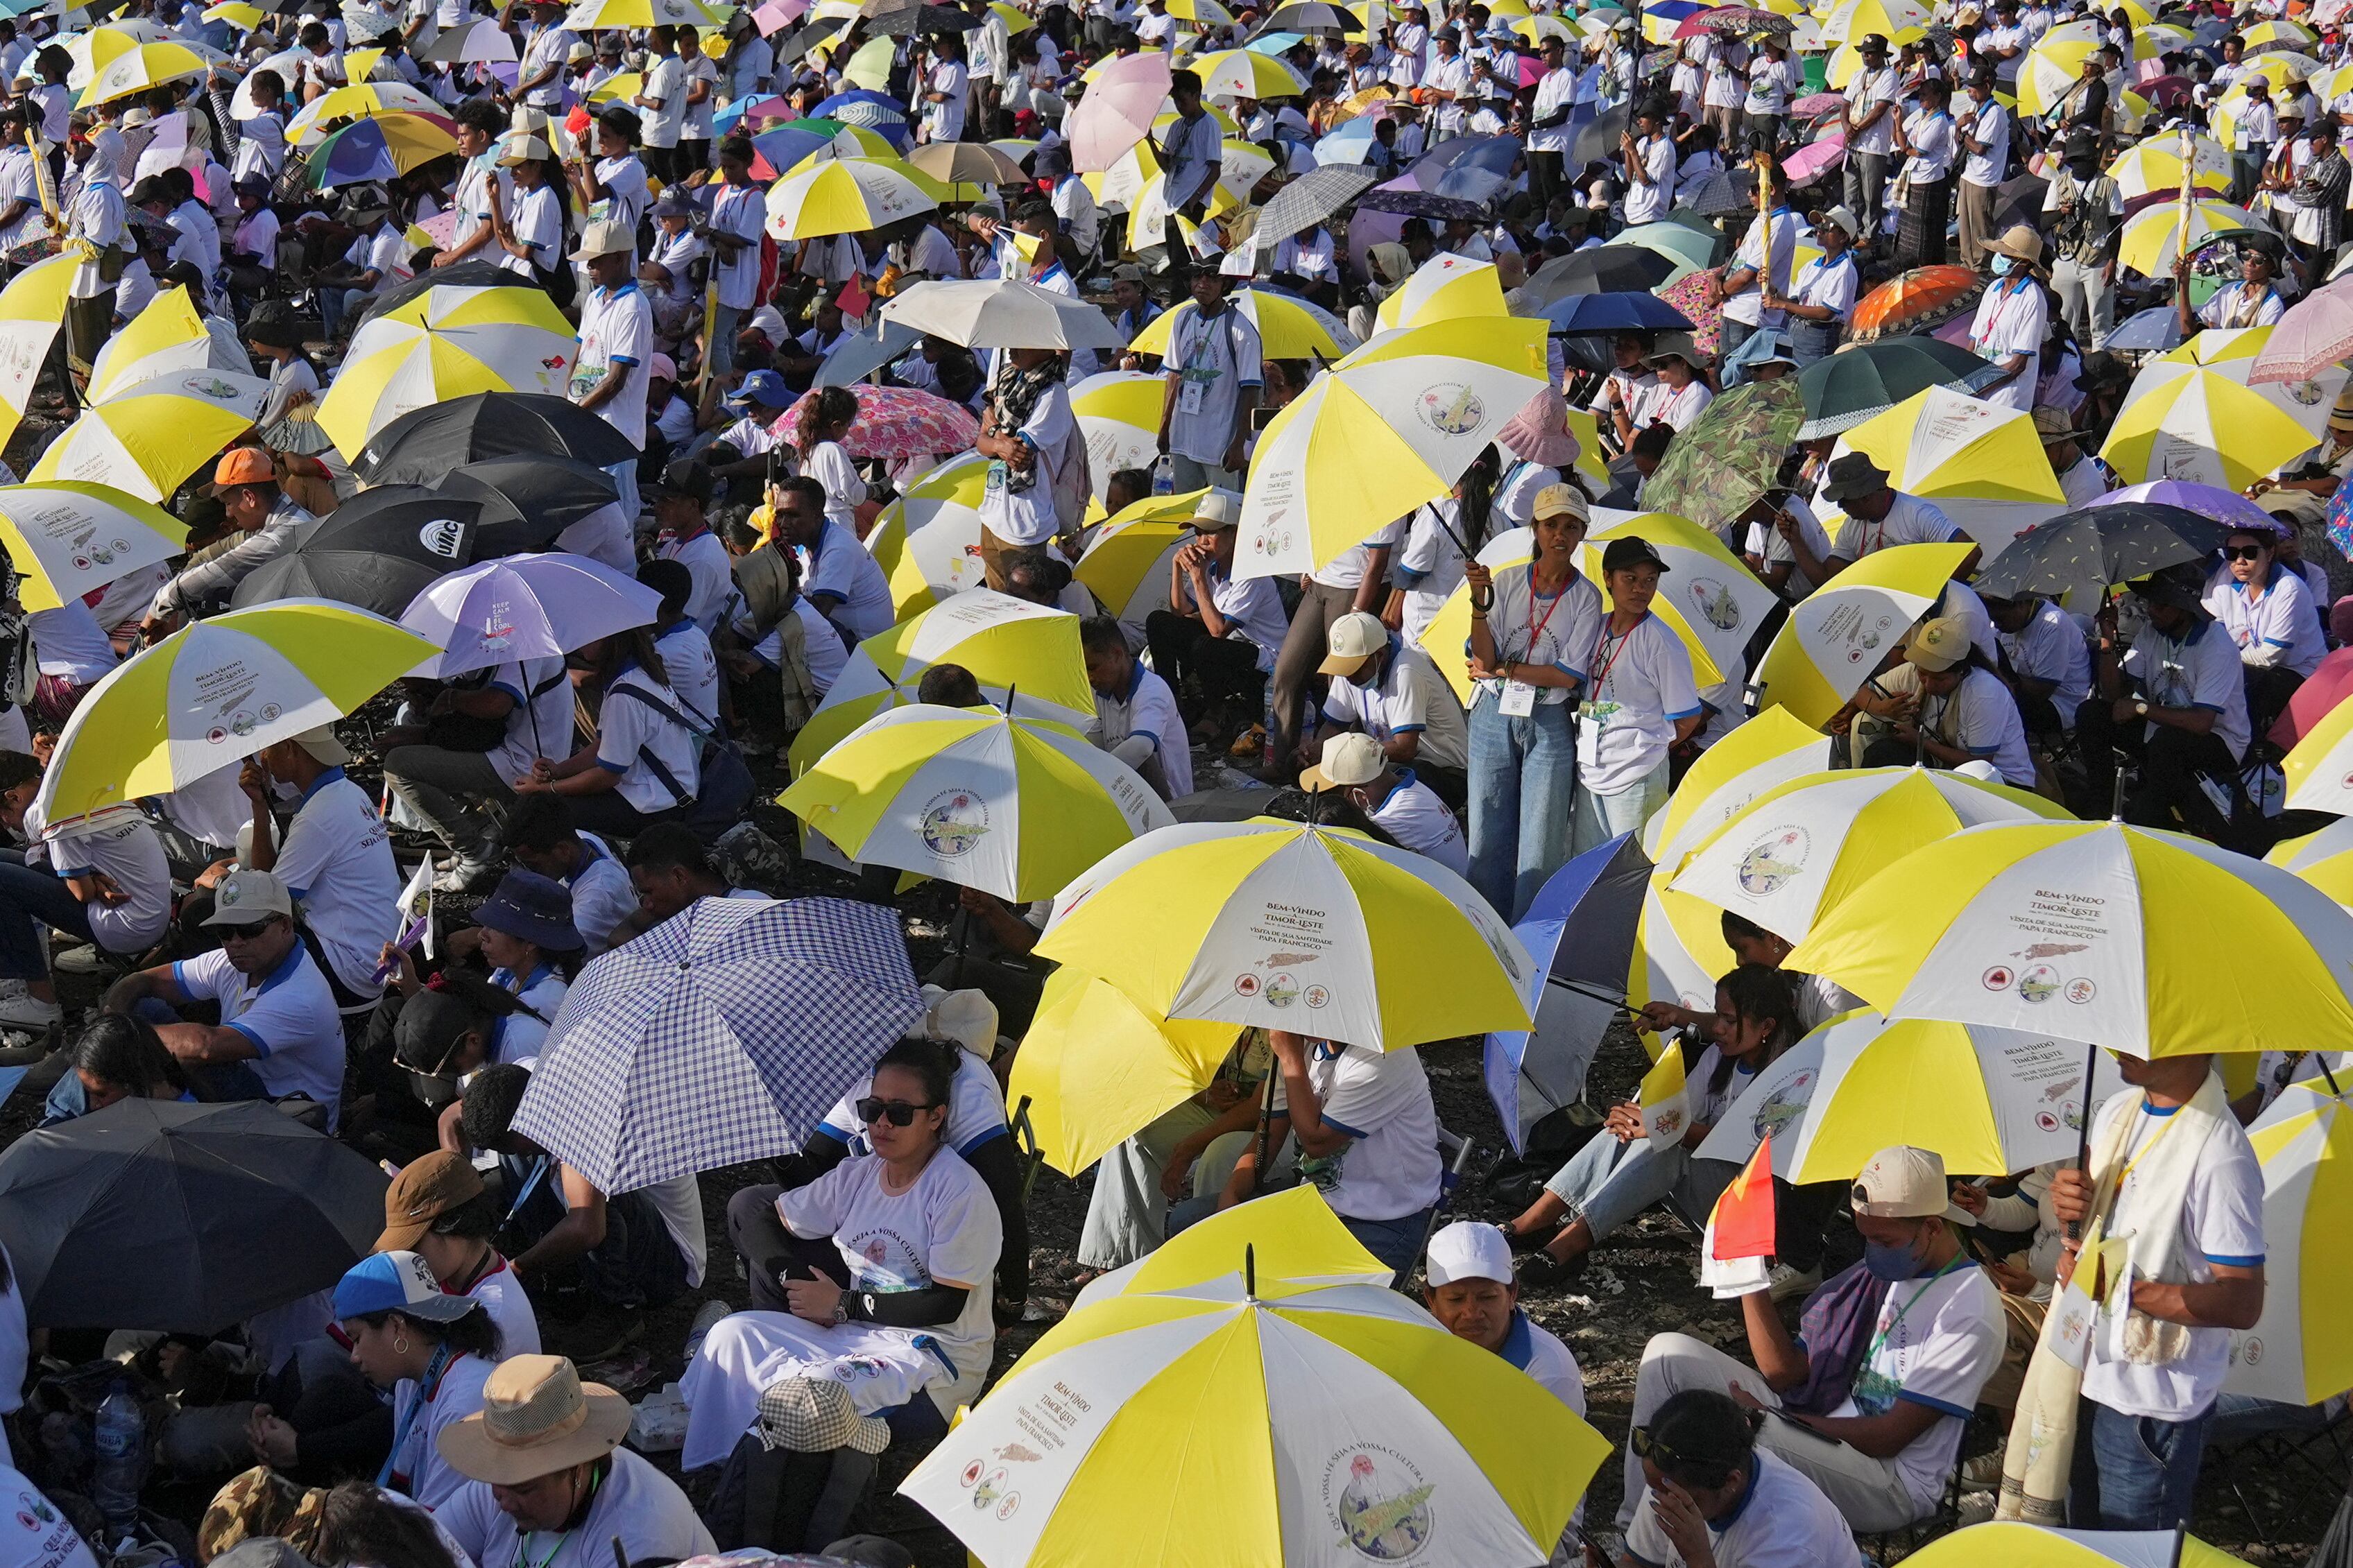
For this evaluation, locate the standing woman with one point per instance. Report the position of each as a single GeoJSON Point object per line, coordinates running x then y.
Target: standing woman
{"type": "Point", "coordinates": [824, 425]}
{"type": "Point", "coordinates": [530, 236]}
{"type": "Point", "coordinates": [1530, 628]}
{"type": "Point", "coordinates": [1821, 299]}
{"type": "Point", "coordinates": [1925, 137]}
{"type": "Point", "coordinates": [1642, 703]}
{"type": "Point", "coordinates": [432, 1350]}
{"type": "Point", "coordinates": [1037, 458]}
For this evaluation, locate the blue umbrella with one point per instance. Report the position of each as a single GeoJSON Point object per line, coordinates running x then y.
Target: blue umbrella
{"type": "Point", "coordinates": [1601, 314]}
{"type": "Point", "coordinates": [860, 355]}
{"type": "Point", "coordinates": [722, 1034]}
{"type": "Point", "coordinates": [1351, 144]}
{"type": "Point", "coordinates": [1581, 931]}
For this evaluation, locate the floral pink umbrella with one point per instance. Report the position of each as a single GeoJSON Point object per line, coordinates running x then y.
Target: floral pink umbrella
{"type": "Point", "coordinates": [896, 423]}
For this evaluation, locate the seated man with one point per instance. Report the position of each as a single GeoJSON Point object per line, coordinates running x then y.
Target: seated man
{"type": "Point", "coordinates": [670, 868]}
{"type": "Point", "coordinates": [266, 522]}
{"type": "Point", "coordinates": [278, 1036]}
{"type": "Point", "coordinates": [2049, 661]}
{"type": "Point", "coordinates": [1471, 1291]}
{"type": "Point", "coordinates": [539, 834]}
{"type": "Point", "coordinates": [1883, 1453]}
{"type": "Point", "coordinates": [1391, 798]}
{"type": "Point", "coordinates": [627, 1251]}
{"type": "Point", "coordinates": [1712, 1495]}
{"type": "Point", "coordinates": [336, 859]}
{"type": "Point", "coordinates": [1223, 631]}
{"type": "Point", "coordinates": [784, 654]}
{"type": "Point", "coordinates": [1137, 719]}
{"type": "Point", "coordinates": [1394, 694]}
{"type": "Point", "coordinates": [442, 772]}
{"type": "Point", "coordinates": [2178, 697]}
{"type": "Point", "coordinates": [103, 878]}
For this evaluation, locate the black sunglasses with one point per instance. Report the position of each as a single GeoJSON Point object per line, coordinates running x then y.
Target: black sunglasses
{"type": "Point", "coordinates": [2242, 552]}
{"type": "Point", "coordinates": [898, 1112]}
{"type": "Point", "coordinates": [246, 932]}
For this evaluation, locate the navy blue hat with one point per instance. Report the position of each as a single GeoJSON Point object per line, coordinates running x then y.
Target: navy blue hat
{"type": "Point", "coordinates": [534, 908]}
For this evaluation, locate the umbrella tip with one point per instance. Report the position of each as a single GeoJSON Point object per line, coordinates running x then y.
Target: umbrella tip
{"type": "Point", "coordinates": [1250, 1273]}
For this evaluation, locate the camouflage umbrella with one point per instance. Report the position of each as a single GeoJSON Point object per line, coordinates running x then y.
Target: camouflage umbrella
{"type": "Point", "coordinates": [1723, 460]}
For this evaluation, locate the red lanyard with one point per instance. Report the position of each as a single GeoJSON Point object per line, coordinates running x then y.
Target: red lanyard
{"type": "Point", "coordinates": [1535, 627]}
{"type": "Point", "coordinates": [1603, 647]}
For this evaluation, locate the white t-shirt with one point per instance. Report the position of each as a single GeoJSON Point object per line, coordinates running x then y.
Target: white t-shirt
{"type": "Point", "coordinates": [1252, 603]}
{"type": "Point", "coordinates": [838, 565]}
{"type": "Point", "coordinates": [122, 846]}
{"type": "Point", "coordinates": [830, 467]}
{"type": "Point", "coordinates": [2222, 1221]}
{"type": "Point", "coordinates": [503, 1295]}
{"type": "Point", "coordinates": [702, 69]}
{"type": "Point", "coordinates": [2201, 670]}
{"type": "Point", "coordinates": [630, 727]}
{"type": "Point", "coordinates": [624, 181]}
{"type": "Point", "coordinates": [1414, 815]}
{"type": "Point", "coordinates": [1346, 569]}
{"type": "Point", "coordinates": [518, 1037]}
{"type": "Point", "coordinates": [1766, 249]}
{"type": "Point", "coordinates": [1147, 708]}
{"type": "Point", "coordinates": [1910, 520]}
{"type": "Point", "coordinates": [976, 1109]}
{"type": "Point", "coordinates": [537, 726]}
{"type": "Point", "coordinates": [289, 1015]}
{"type": "Point", "coordinates": [943, 1228]}
{"type": "Point", "coordinates": [706, 560]}
{"type": "Point", "coordinates": [664, 121]}
{"type": "Point", "coordinates": [336, 860]}
{"type": "Point", "coordinates": [1212, 360]}
{"type": "Point", "coordinates": [2281, 618]}
{"type": "Point", "coordinates": [1638, 686]}
{"type": "Point", "coordinates": [602, 894]}
{"type": "Point", "coordinates": [692, 669]}
{"type": "Point", "coordinates": [1558, 631]}
{"type": "Point", "coordinates": [1649, 203]}
{"type": "Point", "coordinates": [737, 210]}
{"type": "Point", "coordinates": [617, 327]}
{"type": "Point", "coordinates": [1935, 1343]}
{"type": "Point", "coordinates": [1390, 1167]}
{"type": "Point", "coordinates": [635, 1503]}
{"type": "Point", "coordinates": [1989, 127]}
{"type": "Point", "coordinates": [1866, 90]}
{"type": "Point", "coordinates": [418, 1470]}
{"type": "Point", "coordinates": [2013, 318]}
{"type": "Point", "coordinates": [1410, 696]}
{"type": "Point", "coordinates": [1782, 1520]}
{"type": "Point", "coordinates": [35, 1534]}
{"type": "Point", "coordinates": [2050, 646]}
{"type": "Point", "coordinates": [1027, 515]}
{"type": "Point", "coordinates": [1766, 543]}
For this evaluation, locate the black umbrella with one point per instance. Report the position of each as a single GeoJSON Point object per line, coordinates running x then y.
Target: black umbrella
{"type": "Point", "coordinates": [529, 498]}
{"type": "Point", "coordinates": [1604, 270]}
{"type": "Point", "coordinates": [1496, 154]}
{"type": "Point", "coordinates": [2096, 546]}
{"type": "Point", "coordinates": [1313, 17]}
{"type": "Point", "coordinates": [378, 550]}
{"type": "Point", "coordinates": [1308, 201]}
{"type": "Point", "coordinates": [181, 1218]}
{"type": "Point", "coordinates": [464, 275]}
{"type": "Point", "coordinates": [1422, 204]}
{"type": "Point", "coordinates": [366, 579]}
{"type": "Point", "coordinates": [1596, 140]}
{"type": "Point", "coordinates": [425, 444]}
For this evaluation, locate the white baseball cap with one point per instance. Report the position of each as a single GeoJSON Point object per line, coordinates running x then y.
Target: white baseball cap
{"type": "Point", "coordinates": [1356, 637]}
{"type": "Point", "coordinates": [1901, 1183]}
{"type": "Point", "coordinates": [1467, 1251]}
{"type": "Point", "coordinates": [1217, 510]}
{"type": "Point", "coordinates": [1349, 759]}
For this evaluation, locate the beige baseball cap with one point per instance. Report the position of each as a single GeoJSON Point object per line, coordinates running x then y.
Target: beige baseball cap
{"type": "Point", "coordinates": [1563, 501]}
{"type": "Point", "coordinates": [1355, 638]}
{"type": "Point", "coordinates": [1349, 759]}
{"type": "Point", "coordinates": [1938, 645]}
{"type": "Point", "coordinates": [246, 896]}
{"type": "Point", "coordinates": [603, 238]}
{"type": "Point", "coordinates": [1901, 1183]}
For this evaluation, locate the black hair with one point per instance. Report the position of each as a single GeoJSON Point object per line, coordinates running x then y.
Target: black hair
{"type": "Point", "coordinates": [480, 114]}
{"type": "Point", "coordinates": [358, 1524]}
{"type": "Point", "coordinates": [119, 1048]}
{"type": "Point", "coordinates": [1707, 1439]}
{"type": "Point", "coordinates": [1185, 81]}
{"type": "Point", "coordinates": [739, 148]}
{"type": "Point", "coordinates": [490, 1100]}
{"type": "Point", "coordinates": [949, 686]}
{"type": "Point", "coordinates": [540, 820]}
{"type": "Point", "coordinates": [808, 490]}
{"type": "Point", "coordinates": [1741, 928]}
{"type": "Point", "coordinates": [959, 375]}
{"type": "Point", "coordinates": [18, 767]}
{"type": "Point", "coordinates": [1651, 441]}
{"type": "Point", "coordinates": [930, 1062]}
{"type": "Point", "coordinates": [1041, 576]}
{"type": "Point", "coordinates": [671, 846]}
{"type": "Point", "coordinates": [1758, 992]}
{"type": "Point", "coordinates": [735, 525]}
{"type": "Point", "coordinates": [1100, 634]}
{"type": "Point", "coordinates": [621, 121]}
{"type": "Point", "coordinates": [1478, 484]}
{"type": "Point", "coordinates": [476, 1219]}
{"type": "Point", "coordinates": [828, 406]}
{"type": "Point", "coordinates": [673, 581]}
{"type": "Point", "coordinates": [1136, 482]}
{"type": "Point", "coordinates": [179, 183]}
{"type": "Point", "coordinates": [471, 1333]}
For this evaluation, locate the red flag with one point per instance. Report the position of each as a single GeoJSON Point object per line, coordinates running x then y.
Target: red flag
{"type": "Point", "coordinates": [1744, 1214]}
{"type": "Point", "coordinates": [853, 298]}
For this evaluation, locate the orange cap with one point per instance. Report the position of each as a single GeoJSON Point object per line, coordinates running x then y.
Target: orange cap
{"type": "Point", "coordinates": [244, 465]}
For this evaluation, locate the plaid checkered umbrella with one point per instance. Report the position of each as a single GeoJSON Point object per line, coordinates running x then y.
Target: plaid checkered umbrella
{"type": "Point", "coordinates": [722, 1034]}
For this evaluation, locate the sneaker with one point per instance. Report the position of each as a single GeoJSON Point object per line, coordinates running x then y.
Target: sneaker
{"type": "Point", "coordinates": [463, 874]}
{"type": "Point", "coordinates": [1975, 1508]}
{"type": "Point", "coordinates": [88, 958]}
{"type": "Point", "coordinates": [1984, 1472]}
{"type": "Point", "coordinates": [704, 1321]}
{"type": "Point", "coordinates": [29, 1014]}
{"type": "Point", "coordinates": [1784, 1281]}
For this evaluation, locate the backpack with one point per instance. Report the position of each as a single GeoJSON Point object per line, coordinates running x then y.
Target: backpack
{"type": "Point", "coordinates": [727, 786]}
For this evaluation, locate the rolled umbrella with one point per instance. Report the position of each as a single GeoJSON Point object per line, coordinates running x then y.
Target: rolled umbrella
{"type": "Point", "coordinates": [231, 1209]}
{"type": "Point", "coordinates": [422, 445]}
{"type": "Point", "coordinates": [1607, 314]}
{"type": "Point", "coordinates": [1309, 200]}
{"type": "Point", "coordinates": [525, 501]}
{"type": "Point", "coordinates": [365, 579]}
{"type": "Point", "coordinates": [1846, 389]}
{"type": "Point", "coordinates": [1914, 301]}
{"type": "Point", "coordinates": [525, 607]}
{"type": "Point", "coordinates": [2095, 547]}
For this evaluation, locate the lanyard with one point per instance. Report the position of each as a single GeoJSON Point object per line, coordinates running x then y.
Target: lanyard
{"type": "Point", "coordinates": [1536, 626]}
{"type": "Point", "coordinates": [1603, 648]}
{"type": "Point", "coordinates": [1879, 1341]}
{"type": "Point", "coordinates": [522, 1549]}
{"type": "Point", "coordinates": [426, 1388]}
{"type": "Point", "coordinates": [2125, 1174]}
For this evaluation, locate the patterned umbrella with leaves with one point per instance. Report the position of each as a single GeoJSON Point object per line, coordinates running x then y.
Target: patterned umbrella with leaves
{"type": "Point", "coordinates": [1728, 456]}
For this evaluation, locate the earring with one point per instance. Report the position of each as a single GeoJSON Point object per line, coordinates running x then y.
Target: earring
{"type": "Point", "coordinates": [400, 1344]}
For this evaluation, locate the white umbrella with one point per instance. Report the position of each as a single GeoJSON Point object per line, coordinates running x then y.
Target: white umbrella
{"type": "Point", "coordinates": [2300, 1351]}
{"type": "Point", "coordinates": [525, 607]}
{"type": "Point", "coordinates": [1007, 314]}
{"type": "Point", "coordinates": [481, 40]}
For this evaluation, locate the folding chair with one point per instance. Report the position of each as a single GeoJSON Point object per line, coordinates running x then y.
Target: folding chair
{"type": "Point", "coordinates": [2323, 1453]}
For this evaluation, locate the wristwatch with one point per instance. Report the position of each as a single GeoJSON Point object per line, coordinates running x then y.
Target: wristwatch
{"type": "Point", "coordinates": [841, 1308]}
{"type": "Point", "coordinates": [2140, 707]}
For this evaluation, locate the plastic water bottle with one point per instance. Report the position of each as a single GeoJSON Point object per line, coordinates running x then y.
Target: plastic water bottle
{"type": "Point", "coordinates": [1164, 476]}
{"type": "Point", "coordinates": [122, 1460]}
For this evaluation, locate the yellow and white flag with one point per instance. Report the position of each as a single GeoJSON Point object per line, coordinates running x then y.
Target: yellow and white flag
{"type": "Point", "coordinates": [1665, 1098]}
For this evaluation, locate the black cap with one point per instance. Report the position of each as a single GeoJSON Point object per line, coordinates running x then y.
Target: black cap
{"type": "Point", "coordinates": [1624, 555]}
{"type": "Point", "coordinates": [1851, 475]}
{"type": "Point", "coordinates": [688, 478]}
{"type": "Point", "coordinates": [150, 189]}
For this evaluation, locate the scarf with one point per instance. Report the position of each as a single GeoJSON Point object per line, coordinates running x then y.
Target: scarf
{"type": "Point", "coordinates": [1017, 391]}
{"type": "Point", "coordinates": [2036, 1465]}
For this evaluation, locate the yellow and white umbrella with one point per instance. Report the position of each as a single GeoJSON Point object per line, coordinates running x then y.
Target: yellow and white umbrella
{"type": "Point", "coordinates": [2324, 859]}
{"type": "Point", "coordinates": [153, 434]}
{"type": "Point", "coordinates": [1836, 637]}
{"type": "Point", "coordinates": [2300, 1351]}
{"type": "Point", "coordinates": [238, 14]}
{"type": "Point", "coordinates": [1015, 807]}
{"type": "Point", "coordinates": [168, 337]}
{"type": "Point", "coordinates": [489, 339]}
{"type": "Point", "coordinates": [1241, 166]}
{"type": "Point", "coordinates": [1118, 412]}
{"type": "Point", "coordinates": [844, 195]}
{"type": "Point", "coordinates": [1096, 1069]}
{"type": "Point", "coordinates": [1987, 1101]}
{"type": "Point", "coordinates": [1247, 73]}
{"type": "Point", "coordinates": [2032, 1546]}
{"type": "Point", "coordinates": [2055, 64]}
{"type": "Point", "coordinates": [593, 15]}
{"type": "Point", "coordinates": [2232, 351]}
{"type": "Point", "coordinates": [1389, 428]}
{"type": "Point", "coordinates": [108, 41]}
{"type": "Point", "coordinates": [1444, 288]}
{"type": "Point", "coordinates": [211, 694]}
{"type": "Point", "coordinates": [1288, 327]}
{"type": "Point", "coordinates": [1982, 464]}
{"type": "Point", "coordinates": [2277, 31]}
{"type": "Point", "coordinates": [2203, 424]}
{"type": "Point", "coordinates": [1292, 926]}
{"type": "Point", "coordinates": [2281, 67]}
{"type": "Point", "coordinates": [149, 65]}
{"type": "Point", "coordinates": [618, 87]}
{"type": "Point", "coordinates": [1332, 1424]}
{"type": "Point", "coordinates": [359, 101]}
{"type": "Point", "coordinates": [928, 540]}
{"type": "Point", "coordinates": [32, 309]}
{"type": "Point", "coordinates": [1856, 20]}
{"type": "Point", "coordinates": [1803, 846]}
{"type": "Point", "coordinates": [1757, 756]}
{"type": "Point", "coordinates": [2319, 767]}
{"type": "Point", "coordinates": [2156, 165]}
{"type": "Point", "coordinates": [2094, 931]}
{"type": "Point", "coordinates": [1015, 649]}
{"type": "Point", "coordinates": [70, 538]}
{"type": "Point", "coordinates": [2152, 238]}
{"type": "Point", "coordinates": [1125, 565]}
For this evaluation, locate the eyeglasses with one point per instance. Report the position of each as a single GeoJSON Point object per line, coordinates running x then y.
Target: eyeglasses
{"type": "Point", "coordinates": [244, 933]}
{"type": "Point", "coordinates": [1646, 1447]}
{"type": "Point", "coordinates": [2242, 552]}
{"type": "Point", "coordinates": [897, 1112]}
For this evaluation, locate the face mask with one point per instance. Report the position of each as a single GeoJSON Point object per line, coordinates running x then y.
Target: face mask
{"type": "Point", "coordinates": [2001, 266]}
{"type": "Point", "coordinates": [1889, 1263]}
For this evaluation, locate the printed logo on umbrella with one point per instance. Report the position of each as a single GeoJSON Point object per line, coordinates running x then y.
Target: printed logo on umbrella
{"type": "Point", "coordinates": [952, 822]}
{"type": "Point", "coordinates": [1378, 1501]}
{"type": "Point", "coordinates": [1451, 408]}
{"type": "Point", "coordinates": [444, 536]}
{"type": "Point", "coordinates": [1773, 860]}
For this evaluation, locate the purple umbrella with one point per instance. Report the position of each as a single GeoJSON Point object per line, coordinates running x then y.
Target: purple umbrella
{"type": "Point", "coordinates": [2216, 505]}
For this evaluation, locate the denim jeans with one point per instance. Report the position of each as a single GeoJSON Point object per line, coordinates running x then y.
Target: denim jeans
{"type": "Point", "coordinates": [1606, 1184]}
{"type": "Point", "coordinates": [1598, 818]}
{"type": "Point", "coordinates": [30, 897]}
{"type": "Point", "coordinates": [2134, 1472]}
{"type": "Point", "coordinates": [1396, 1242]}
{"type": "Point", "coordinates": [1523, 785]}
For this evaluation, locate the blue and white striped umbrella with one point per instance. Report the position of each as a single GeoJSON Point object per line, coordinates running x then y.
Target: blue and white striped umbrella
{"type": "Point", "coordinates": [722, 1034]}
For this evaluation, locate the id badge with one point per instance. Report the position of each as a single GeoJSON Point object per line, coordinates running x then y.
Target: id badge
{"type": "Point", "coordinates": [1190, 396]}
{"type": "Point", "coordinates": [1518, 700]}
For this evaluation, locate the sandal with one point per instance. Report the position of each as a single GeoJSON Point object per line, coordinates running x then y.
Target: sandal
{"type": "Point", "coordinates": [1543, 1271]}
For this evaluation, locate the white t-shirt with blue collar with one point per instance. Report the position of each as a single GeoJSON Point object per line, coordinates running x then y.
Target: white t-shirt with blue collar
{"type": "Point", "coordinates": [289, 1015]}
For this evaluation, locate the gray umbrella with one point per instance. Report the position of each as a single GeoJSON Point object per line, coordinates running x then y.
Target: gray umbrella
{"type": "Point", "coordinates": [1597, 140]}
{"type": "Point", "coordinates": [1309, 200]}
{"type": "Point", "coordinates": [860, 355]}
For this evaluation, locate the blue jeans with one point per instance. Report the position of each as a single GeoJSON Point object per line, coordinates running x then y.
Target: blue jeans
{"type": "Point", "coordinates": [2134, 1472]}
{"type": "Point", "coordinates": [1396, 1242]}
{"type": "Point", "coordinates": [1523, 784]}
{"type": "Point", "coordinates": [2238, 1418]}
{"type": "Point", "coordinates": [1606, 1184]}
{"type": "Point", "coordinates": [28, 894]}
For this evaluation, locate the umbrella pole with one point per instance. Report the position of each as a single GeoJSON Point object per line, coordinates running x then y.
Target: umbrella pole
{"type": "Point", "coordinates": [2084, 1133]}
{"type": "Point", "coordinates": [1437, 1210]}
{"type": "Point", "coordinates": [2320, 1060]}
{"type": "Point", "coordinates": [1265, 1130]}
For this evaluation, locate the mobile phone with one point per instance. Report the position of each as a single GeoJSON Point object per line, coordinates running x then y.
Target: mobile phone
{"type": "Point", "coordinates": [1261, 417]}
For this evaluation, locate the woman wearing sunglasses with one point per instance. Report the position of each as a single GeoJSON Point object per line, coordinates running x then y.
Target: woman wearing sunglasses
{"type": "Point", "coordinates": [883, 1261]}
{"type": "Point", "coordinates": [2265, 607]}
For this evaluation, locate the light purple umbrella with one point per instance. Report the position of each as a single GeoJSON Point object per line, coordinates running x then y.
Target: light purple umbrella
{"type": "Point", "coordinates": [525, 607]}
{"type": "Point", "coordinates": [2217, 505]}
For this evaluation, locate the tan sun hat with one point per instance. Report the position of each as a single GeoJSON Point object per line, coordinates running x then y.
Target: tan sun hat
{"type": "Point", "coordinates": [1349, 759]}
{"type": "Point", "coordinates": [537, 1417]}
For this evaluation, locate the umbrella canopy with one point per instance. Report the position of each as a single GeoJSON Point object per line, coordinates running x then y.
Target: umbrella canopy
{"type": "Point", "coordinates": [1729, 456]}
{"type": "Point", "coordinates": [380, 583]}
{"type": "Point", "coordinates": [1982, 1099]}
{"type": "Point", "coordinates": [2311, 337]}
{"type": "Point", "coordinates": [1679, 242]}
{"type": "Point", "coordinates": [2226, 506]}
{"type": "Point", "coordinates": [1580, 928]}
{"type": "Point", "coordinates": [438, 291]}
{"type": "Point", "coordinates": [1604, 270]}
{"type": "Point", "coordinates": [1835, 638]}
{"type": "Point", "coordinates": [1392, 425]}
{"type": "Point", "coordinates": [1314, 17]}
{"type": "Point", "coordinates": [524, 502]}
{"type": "Point", "coordinates": [491, 340]}
{"type": "Point", "coordinates": [2152, 236]}
{"type": "Point", "coordinates": [898, 423]}
{"type": "Point", "coordinates": [32, 309]}
{"type": "Point", "coordinates": [2320, 769]}
{"type": "Point", "coordinates": [1984, 465]}
{"type": "Point", "coordinates": [67, 539]}
{"type": "Point", "coordinates": [1715, 604]}
{"type": "Point", "coordinates": [359, 101]}
{"type": "Point", "coordinates": [1015, 807]}
{"type": "Point", "coordinates": [2328, 686]}
{"type": "Point", "coordinates": [722, 1034]}
{"type": "Point", "coordinates": [1309, 200]}
{"type": "Point", "coordinates": [843, 195]}
{"type": "Point", "coordinates": [966, 164]}
{"type": "Point", "coordinates": [1117, 110]}
{"type": "Point", "coordinates": [148, 65]}
{"type": "Point", "coordinates": [1445, 287]}
{"type": "Point", "coordinates": [2096, 546]}
{"type": "Point", "coordinates": [216, 692]}
{"type": "Point", "coordinates": [2157, 164]}
{"type": "Point", "coordinates": [525, 607]}
{"type": "Point", "coordinates": [1914, 301]}
{"type": "Point", "coordinates": [593, 15]}
{"type": "Point", "coordinates": [1843, 390]}
{"type": "Point", "coordinates": [153, 434]}
{"type": "Point", "coordinates": [1288, 327]}
{"type": "Point", "coordinates": [782, 148]}
{"type": "Point", "coordinates": [1126, 562]}
{"type": "Point", "coordinates": [1283, 925]}
{"type": "Point", "coordinates": [481, 40]}
{"type": "Point", "coordinates": [2202, 423]}
{"type": "Point", "coordinates": [927, 541]}
{"type": "Point", "coordinates": [383, 148]}
{"type": "Point", "coordinates": [2300, 1348]}
{"type": "Point", "coordinates": [1006, 314]}
{"type": "Point", "coordinates": [1802, 847]}
{"type": "Point", "coordinates": [232, 1209]}
{"type": "Point", "coordinates": [1118, 412]}
{"type": "Point", "coordinates": [424, 445]}
{"type": "Point", "coordinates": [1343, 1410]}
{"type": "Point", "coordinates": [167, 337]}
{"type": "Point", "coordinates": [1605, 315]}
{"type": "Point", "coordinates": [1096, 1069]}
{"type": "Point", "coordinates": [1962, 929]}
{"type": "Point", "coordinates": [1246, 73]}
{"type": "Point", "coordinates": [1769, 749]}
{"type": "Point", "coordinates": [2032, 1546]}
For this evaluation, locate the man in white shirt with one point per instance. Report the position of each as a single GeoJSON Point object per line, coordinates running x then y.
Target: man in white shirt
{"type": "Point", "coordinates": [1712, 1495]}
{"type": "Point", "coordinates": [661, 100]}
{"type": "Point", "coordinates": [2049, 661]}
{"type": "Point", "coordinates": [1984, 131]}
{"type": "Point", "coordinates": [2012, 319]}
{"type": "Point", "coordinates": [1136, 718]}
{"type": "Point", "coordinates": [1548, 128]}
{"type": "Point", "coordinates": [1394, 694]}
{"type": "Point", "coordinates": [334, 859]}
{"type": "Point", "coordinates": [1878, 516]}
{"type": "Point", "coordinates": [1885, 1453]}
{"type": "Point", "coordinates": [1872, 113]}
{"type": "Point", "coordinates": [617, 343]}
{"type": "Point", "coordinates": [1190, 151]}
{"type": "Point", "coordinates": [1649, 155]}
{"type": "Point", "coordinates": [1213, 374]}
{"type": "Point", "coordinates": [2185, 712]}
{"type": "Point", "coordinates": [1221, 630]}
{"type": "Point", "coordinates": [1392, 799]}
{"type": "Point", "coordinates": [1760, 268]}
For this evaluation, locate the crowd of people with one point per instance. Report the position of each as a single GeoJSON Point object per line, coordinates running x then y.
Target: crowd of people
{"type": "Point", "coordinates": [250, 936]}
